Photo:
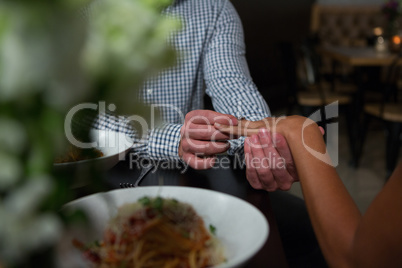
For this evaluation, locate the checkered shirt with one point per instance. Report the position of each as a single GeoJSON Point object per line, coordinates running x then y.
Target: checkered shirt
{"type": "Point", "coordinates": [212, 61]}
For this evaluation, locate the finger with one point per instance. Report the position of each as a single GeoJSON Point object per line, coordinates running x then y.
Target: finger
{"type": "Point", "coordinates": [203, 132]}
{"type": "Point", "coordinates": [284, 151]}
{"type": "Point", "coordinates": [231, 130]}
{"type": "Point", "coordinates": [322, 130]}
{"type": "Point", "coordinates": [205, 148]}
{"type": "Point", "coordinates": [277, 162]}
{"type": "Point", "coordinates": [251, 173]}
{"type": "Point", "coordinates": [226, 119]}
{"type": "Point", "coordinates": [237, 131]}
{"type": "Point", "coordinates": [197, 162]}
{"type": "Point", "coordinates": [245, 127]}
{"type": "Point", "coordinates": [261, 151]}
{"type": "Point", "coordinates": [208, 117]}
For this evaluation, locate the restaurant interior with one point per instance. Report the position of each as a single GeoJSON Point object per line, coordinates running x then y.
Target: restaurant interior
{"type": "Point", "coordinates": [359, 25]}
{"type": "Point", "coordinates": [337, 62]}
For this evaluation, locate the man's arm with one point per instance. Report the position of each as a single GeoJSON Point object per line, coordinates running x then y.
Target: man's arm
{"type": "Point", "coordinates": [228, 81]}
{"type": "Point", "coordinates": [153, 142]}
{"type": "Point", "coordinates": [230, 86]}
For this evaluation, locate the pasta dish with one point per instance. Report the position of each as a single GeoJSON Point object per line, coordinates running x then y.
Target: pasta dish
{"type": "Point", "coordinates": [155, 232]}
{"type": "Point", "coordinates": [77, 154]}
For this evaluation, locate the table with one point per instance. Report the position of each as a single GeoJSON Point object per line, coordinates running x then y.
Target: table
{"type": "Point", "coordinates": [228, 178]}
{"type": "Point", "coordinates": [358, 56]}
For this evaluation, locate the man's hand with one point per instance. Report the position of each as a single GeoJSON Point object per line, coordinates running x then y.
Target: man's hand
{"type": "Point", "coordinates": [269, 162]}
{"type": "Point", "coordinates": [200, 141]}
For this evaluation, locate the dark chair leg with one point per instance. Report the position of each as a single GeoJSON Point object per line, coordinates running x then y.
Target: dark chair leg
{"type": "Point", "coordinates": [323, 122]}
{"type": "Point", "coordinates": [352, 136]}
{"type": "Point", "coordinates": [357, 141]}
{"type": "Point", "coordinates": [393, 144]}
{"type": "Point", "coordinates": [307, 110]}
{"type": "Point", "coordinates": [292, 103]}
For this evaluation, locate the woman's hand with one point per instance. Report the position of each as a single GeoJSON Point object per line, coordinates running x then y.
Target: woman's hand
{"type": "Point", "coordinates": [269, 162]}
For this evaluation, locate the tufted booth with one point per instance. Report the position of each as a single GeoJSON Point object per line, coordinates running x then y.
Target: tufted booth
{"type": "Point", "coordinates": [345, 25]}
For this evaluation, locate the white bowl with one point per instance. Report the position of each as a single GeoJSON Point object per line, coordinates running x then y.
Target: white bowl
{"type": "Point", "coordinates": [241, 227]}
{"type": "Point", "coordinates": [114, 146]}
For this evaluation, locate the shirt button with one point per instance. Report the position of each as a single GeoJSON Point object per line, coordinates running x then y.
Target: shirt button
{"type": "Point", "coordinates": [149, 91]}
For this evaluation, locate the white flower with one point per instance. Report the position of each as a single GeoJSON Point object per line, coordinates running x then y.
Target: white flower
{"type": "Point", "coordinates": [25, 199]}
{"type": "Point", "coordinates": [24, 56]}
{"type": "Point", "coordinates": [12, 135]}
{"type": "Point", "coordinates": [127, 43]}
{"type": "Point", "coordinates": [40, 49]}
{"type": "Point", "coordinates": [22, 228]}
{"type": "Point", "coordinates": [52, 58]}
{"type": "Point", "coordinates": [156, 4]}
{"type": "Point", "coordinates": [10, 170]}
{"type": "Point", "coordinates": [20, 236]}
{"type": "Point", "coordinates": [127, 40]}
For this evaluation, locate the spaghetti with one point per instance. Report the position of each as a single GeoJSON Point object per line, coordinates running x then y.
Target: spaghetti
{"type": "Point", "coordinates": [77, 154]}
{"type": "Point", "coordinates": [155, 232]}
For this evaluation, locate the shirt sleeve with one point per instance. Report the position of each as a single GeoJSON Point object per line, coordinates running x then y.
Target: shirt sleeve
{"type": "Point", "coordinates": [158, 143]}
{"type": "Point", "coordinates": [228, 80]}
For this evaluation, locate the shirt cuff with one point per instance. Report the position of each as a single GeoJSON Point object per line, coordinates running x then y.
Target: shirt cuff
{"type": "Point", "coordinates": [164, 141]}
{"type": "Point", "coordinates": [237, 148]}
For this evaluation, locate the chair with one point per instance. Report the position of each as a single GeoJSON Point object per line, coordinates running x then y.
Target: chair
{"type": "Point", "coordinates": [304, 85]}
{"type": "Point", "coordinates": [389, 111]}
{"type": "Point", "coordinates": [313, 94]}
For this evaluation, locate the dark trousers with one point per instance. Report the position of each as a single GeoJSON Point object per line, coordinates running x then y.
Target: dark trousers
{"type": "Point", "coordinates": [298, 238]}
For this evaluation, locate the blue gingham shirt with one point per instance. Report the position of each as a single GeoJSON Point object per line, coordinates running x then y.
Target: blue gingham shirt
{"type": "Point", "coordinates": [212, 61]}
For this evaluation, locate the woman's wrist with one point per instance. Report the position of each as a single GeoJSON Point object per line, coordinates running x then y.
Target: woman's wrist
{"type": "Point", "coordinates": [290, 126]}
{"type": "Point", "coordinates": [298, 129]}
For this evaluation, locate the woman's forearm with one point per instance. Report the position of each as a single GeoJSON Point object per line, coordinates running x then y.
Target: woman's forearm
{"type": "Point", "coordinates": [333, 212]}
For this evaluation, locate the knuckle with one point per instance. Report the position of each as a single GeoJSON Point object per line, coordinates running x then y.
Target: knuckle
{"type": "Point", "coordinates": [253, 181]}
{"type": "Point", "coordinates": [185, 145]}
{"type": "Point", "coordinates": [286, 186]}
{"type": "Point", "coordinates": [188, 116]}
{"type": "Point", "coordinates": [183, 130]}
{"type": "Point", "coordinates": [271, 189]}
{"type": "Point", "coordinates": [202, 150]}
{"type": "Point", "coordinates": [269, 183]}
{"type": "Point", "coordinates": [265, 173]}
{"type": "Point", "coordinates": [187, 158]}
{"type": "Point", "coordinates": [219, 146]}
{"type": "Point", "coordinates": [255, 185]}
{"type": "Point", "coordinates": [210, 150]}
{"type": "Point", "coordinates": [203, 134]}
